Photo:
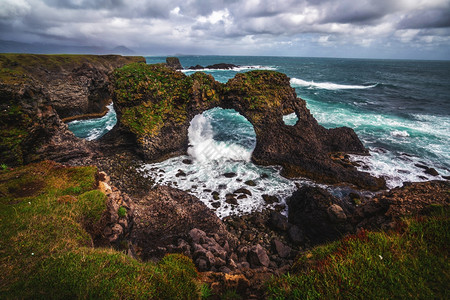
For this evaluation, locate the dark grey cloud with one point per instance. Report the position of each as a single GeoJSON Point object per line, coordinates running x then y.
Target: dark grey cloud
{"type": "Point", "coordinates": [436, 18]}
{"type": "Point", "coordinates": [83, 4]}
{"type": "Point", "coordinates": [278, 27]}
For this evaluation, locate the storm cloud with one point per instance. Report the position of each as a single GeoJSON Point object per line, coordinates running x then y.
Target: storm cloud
{"type": "Point", "coordinates": [346, 28]}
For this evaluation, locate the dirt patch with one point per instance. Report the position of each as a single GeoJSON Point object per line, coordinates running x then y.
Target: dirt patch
{"type": "Point", "coordinates": [28, 189]}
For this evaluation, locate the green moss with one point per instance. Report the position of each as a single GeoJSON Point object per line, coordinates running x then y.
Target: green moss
{"type": "Point", "coordinates": [14, 130]}
{"type": "Point", "coordinates": [260, 89]}
{"type": "Point", "coordinates": [46, 253]}
{"type": "Point", "coordinates": [122, 211]}
{"type": "Point", "coordinates": [413, 263]}
{"type": "Point", "coordinates": [151, 95]}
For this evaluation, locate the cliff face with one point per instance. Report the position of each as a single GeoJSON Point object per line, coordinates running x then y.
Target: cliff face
{"type": "Point", "coordinates": [156, 104]}
{"type": "Point", "coordinates": [37, 91]}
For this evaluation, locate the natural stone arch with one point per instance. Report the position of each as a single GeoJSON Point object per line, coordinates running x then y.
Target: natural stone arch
{"type": "Point", "coordinates": [156, 104]}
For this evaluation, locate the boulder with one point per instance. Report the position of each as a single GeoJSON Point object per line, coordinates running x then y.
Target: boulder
{"type": "Point", "coordinates": [278, 221]}
{"type": "Point", "coordinates": [164, 215]}
{"type": "Point", "coordinates": [281, 249]}
{"type": "Point", "coordinates": [257, 257]}
{"type": "Point", "coordinates": [309, 209]}
{"type": "Point", "coordinates": [336, 213]}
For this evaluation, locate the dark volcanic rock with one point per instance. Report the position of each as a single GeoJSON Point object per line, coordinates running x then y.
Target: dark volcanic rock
{"type": "Point", "coordinates": [222, 66]}
{"type": "Point", "coordinates": [282, 250]}
{"type": "Point", "coordinates": [310, 209]}
{"type": "Point", "coordinates": [388, 208]}
{"type": "Point", "coordinates": [164, 215]}
{"type": "Point", "coordinates": [174, 63]}
{"type": "Point", "coordinates": [257, 257]}
{"type": "Point", "coordinates": [196, 67]}
{"type": "Point", "coordinates": [278, 221]}
{"type": "Point", "coordinates": [432, 172]}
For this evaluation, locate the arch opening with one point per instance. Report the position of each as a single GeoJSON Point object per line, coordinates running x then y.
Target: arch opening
{"type": "Point", "coordinates": [218, 168]}
{"type": "Point", "coordinates": [290, 119]}
{"type": "Point", "coordinates": [221, 134]}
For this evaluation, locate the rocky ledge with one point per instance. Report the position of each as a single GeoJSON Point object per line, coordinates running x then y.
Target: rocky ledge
{"type": "Point", "coordinates": [38, 91]}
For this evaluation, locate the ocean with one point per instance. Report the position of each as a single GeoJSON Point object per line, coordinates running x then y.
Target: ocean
{"type": "Point", "coordinates": [400, 110]}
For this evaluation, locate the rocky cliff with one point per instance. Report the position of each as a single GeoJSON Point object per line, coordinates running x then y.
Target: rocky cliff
{"type": "Point", "coordinates": [37, 91]}
{"type": "Point", "coordinates": [156, 104]}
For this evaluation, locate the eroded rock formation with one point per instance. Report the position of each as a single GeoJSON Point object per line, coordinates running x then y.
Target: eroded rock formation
{"type": "Point", "coordinates": [156, 104]}
{"type": "Point", "coordinates": [37, 91]}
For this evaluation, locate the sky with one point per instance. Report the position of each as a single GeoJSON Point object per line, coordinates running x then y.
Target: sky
{"type": "Point", "coordinates": [404, 29]}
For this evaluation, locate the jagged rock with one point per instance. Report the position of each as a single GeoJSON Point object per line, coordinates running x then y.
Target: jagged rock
{"type": "Point", "coordinates": [269, 199]}
{"type": "Point", "coordinates": [198, 236]}
{"type": "Point", "coordinates": [243, 191]}
{"type": "Point", "coordinates": [257, 257]}
{"type": "Point", "coordinates": [388, 208]}
{"type": "Point", "coordinates": [196, 67]}
{"type": "Point", "coordinates": [38, 91]}
{"type": "Point", "coordinates": [250, 183]}
{"type": "Point", "coordinates": [174, 63]}
{"type": "Point", "coordinates": [230, 175]}
{"type": "Point", "coordinates": [280, 248]}
{"type": "Point", "coordinates": [432, 172]}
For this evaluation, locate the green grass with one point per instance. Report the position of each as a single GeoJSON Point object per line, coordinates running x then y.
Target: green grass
{"type": "Point", "coordinates": [46, 252]}
{"type": "Point", "coordinates": [409, 263]}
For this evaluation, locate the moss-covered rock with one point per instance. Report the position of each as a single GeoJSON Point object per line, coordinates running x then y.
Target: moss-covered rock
{"type": "Point", "coordinates": [156, 104]}
{"type": "Point", "coordinates": [37, 91]}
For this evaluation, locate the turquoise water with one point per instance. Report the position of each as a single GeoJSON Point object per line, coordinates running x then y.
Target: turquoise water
{"type": "Point", "coordinates": [93, 129]}
{"type": "Point", "coordinates": [399, 109]}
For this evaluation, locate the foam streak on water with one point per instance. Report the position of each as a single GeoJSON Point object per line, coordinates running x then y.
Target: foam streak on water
{"type": "Point", "coordinates": [296, 82]}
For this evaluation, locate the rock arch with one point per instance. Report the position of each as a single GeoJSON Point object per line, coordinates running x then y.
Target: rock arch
{"type": "Point", "coordinates": [155, 105]}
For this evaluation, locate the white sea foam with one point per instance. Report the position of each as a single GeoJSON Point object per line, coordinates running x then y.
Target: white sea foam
{"type": "Point", "coordinates": [296, 82]}
{"type": "Point", "coordinates": [395, 168]}
{"type": "Point", "coordinates": [400, 133]}
{"type": "Point", "coordinates": [210, 161]}
{"type": "Point", "coordinates": [204, 148]}
{"type": "Point", "coordinates": [236, 69]}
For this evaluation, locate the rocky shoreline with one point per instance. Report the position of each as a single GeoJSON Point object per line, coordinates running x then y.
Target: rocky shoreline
{"type": "Point", "coordinates": [155, 105]}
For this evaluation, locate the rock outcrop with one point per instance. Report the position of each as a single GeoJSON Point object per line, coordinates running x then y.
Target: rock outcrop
{"type": "Point", "coordinates": [156, 105]}
{"type": "Point", "coordinates": [220, 66]}
{"type": "Point", "coordinates": [174, 63]}
{"type": "Point", "coordinates": [38, 91]}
